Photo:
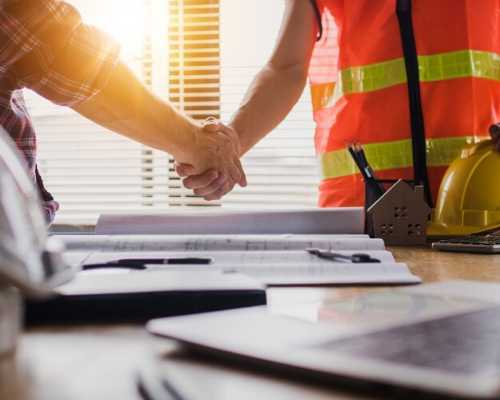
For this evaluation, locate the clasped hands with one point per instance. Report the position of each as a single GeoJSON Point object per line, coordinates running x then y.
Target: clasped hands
{"type": "Point", "coordinates": [215, 166]}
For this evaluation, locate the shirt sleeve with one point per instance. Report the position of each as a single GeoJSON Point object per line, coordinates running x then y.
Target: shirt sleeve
{"type": "Point", "coordinates": [50, 50]}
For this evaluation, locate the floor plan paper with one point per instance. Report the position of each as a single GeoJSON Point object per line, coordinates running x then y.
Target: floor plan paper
{"type": "Point", "coordinates": [286, 268]}
{"type": "Point", "coordinates": [241, 258]}
{"type": "Point", "coordinates": [303, 221]}
{"type": "Point", "coordinates": [121, 243]}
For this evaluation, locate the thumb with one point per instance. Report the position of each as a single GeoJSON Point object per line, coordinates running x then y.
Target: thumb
{"type": "Point", "coordinates": [211, 125]}
{"type": "Point", "coordinates": [184, 170]}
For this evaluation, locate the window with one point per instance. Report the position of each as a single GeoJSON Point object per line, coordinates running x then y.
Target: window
{"type": "Point", "coordinates": [282, 169]}
{"type": "Point", "coordinates": [194, 72]}
{"type": "Point", "coordinates": [212, 51]}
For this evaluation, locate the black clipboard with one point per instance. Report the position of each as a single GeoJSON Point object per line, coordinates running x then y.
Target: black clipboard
{"type": "Point", "coordinates": [157, 294]}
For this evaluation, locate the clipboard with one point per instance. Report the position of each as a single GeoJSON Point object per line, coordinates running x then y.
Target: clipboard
{"type": "Point", "coordinates": [141, 295]}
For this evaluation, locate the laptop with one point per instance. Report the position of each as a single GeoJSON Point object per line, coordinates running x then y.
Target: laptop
{"type": "Point", "coordinates": [439, 338]}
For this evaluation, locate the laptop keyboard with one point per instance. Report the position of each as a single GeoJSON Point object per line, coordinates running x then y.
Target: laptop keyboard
{"type": "Point", "coordinates": [467, 344]}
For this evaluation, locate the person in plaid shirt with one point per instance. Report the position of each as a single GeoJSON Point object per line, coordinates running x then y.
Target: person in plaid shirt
{"type": "Point", "coordinates": [45, 46]}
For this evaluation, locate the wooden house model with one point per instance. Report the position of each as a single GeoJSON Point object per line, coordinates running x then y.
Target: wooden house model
{"type": "Point", "coordinates": [400, 215]}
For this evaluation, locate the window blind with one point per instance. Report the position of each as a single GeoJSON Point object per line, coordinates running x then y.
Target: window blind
{"type": "Point", "coordinates": [194, 72]}
{"type": "Point", "coordinates": [281, 169]}
{"type": "Point", "coordinates": [201, 55]}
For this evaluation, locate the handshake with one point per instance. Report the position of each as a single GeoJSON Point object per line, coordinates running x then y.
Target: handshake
{"type": "Point", "coordinates": [212, 167]}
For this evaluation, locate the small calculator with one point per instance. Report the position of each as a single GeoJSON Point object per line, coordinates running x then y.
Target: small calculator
{"type": "Point", "coordinates": [486, 244]}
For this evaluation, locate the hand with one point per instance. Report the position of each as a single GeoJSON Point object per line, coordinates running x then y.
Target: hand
{"type": "Point", "coordinates": [495, 135]}
{"type": "Point", "coordinates": [213, 183]}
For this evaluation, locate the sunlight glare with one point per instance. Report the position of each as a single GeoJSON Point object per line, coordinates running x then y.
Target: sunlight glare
{"type": "Point", "coordinates": [125, 20]}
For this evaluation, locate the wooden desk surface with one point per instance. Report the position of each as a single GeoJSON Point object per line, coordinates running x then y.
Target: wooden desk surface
{"type": "Point", "coordinates": [100, 362]}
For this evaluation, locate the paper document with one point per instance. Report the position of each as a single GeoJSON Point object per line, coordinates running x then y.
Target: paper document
{"type": "Point", "coordinates": [304, 221]}
{"type": "Point", "coordinates": [75, 258]}
{"type": "Point", "coordinates": [156, 281]}
{"type": "Point", "coordinates": [121, 243]}
{"type": "Point", "coordinates": [284, 267]}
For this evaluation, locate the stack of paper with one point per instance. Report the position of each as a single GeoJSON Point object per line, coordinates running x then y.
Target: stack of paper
{"type": "Point", "coordinates": [269, 246]}
{"type": "Point", "coordinates": [271, 259]}
{"type": "Point", "coordinates": [282, 267]}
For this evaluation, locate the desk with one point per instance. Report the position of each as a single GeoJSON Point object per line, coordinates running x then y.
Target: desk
{"type": "Point", "coordinates": [99, 362]}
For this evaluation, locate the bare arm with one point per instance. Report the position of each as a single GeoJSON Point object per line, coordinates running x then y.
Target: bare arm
{"type": "Point", "coordinates": [74, 64]}
{"type": "Point", "coordinates": [127, 107]}
{"type": "Point", "coordinates": [279, 85]}
{"type": "Point", "coordinates": [272, 94]}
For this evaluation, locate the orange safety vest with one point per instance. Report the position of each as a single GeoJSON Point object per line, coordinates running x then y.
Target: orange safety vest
{"type": "Point", "coordinates": [408, 80]}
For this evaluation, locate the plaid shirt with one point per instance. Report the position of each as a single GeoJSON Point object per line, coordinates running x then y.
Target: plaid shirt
{"type": "Point", "coordinates": [44, 46]}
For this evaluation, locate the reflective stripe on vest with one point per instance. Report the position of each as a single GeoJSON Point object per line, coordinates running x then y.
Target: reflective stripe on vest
{"type": "Point", "coordinates": [368, 78]}
{"type": "Point", "coordinates": [392, 155]}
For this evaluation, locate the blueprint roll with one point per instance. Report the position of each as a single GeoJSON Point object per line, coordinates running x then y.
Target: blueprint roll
{"type": "Point", "coordinates": [10, 319]}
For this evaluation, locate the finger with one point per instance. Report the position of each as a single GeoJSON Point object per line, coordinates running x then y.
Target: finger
{"type": "Point", "coordinates": [214, 186]}
{"type": "Point", "coordinates": [221, 192]}
{"type": "Point", "coordinates": [200, 181]}
{"type": "Point", "coordinates": [211, 120]}
{"type": "Point", "coordinates": [233, 135]}
{"type": "Point", "coordinates": [184, 170]}
{"type": "Point", "coordinates": [234, 171]}
{"type": "Point", "coordinates": [211, 125]}
{"type": "Point", "coordinates": [243, 181]}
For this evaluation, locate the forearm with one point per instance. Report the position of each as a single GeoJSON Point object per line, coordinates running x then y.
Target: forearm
{"type": "Point", "coordinates": [279, 85]}
{"type": "Point", "coordinates": [127, 107]}
{"type": "Point", "coordinates": [268, 101]}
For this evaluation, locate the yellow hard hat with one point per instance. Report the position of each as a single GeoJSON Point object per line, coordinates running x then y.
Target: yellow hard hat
{"type": "Point", "coordinates": [469, 196]}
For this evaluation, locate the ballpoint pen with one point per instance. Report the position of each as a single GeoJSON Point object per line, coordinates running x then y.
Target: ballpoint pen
{"type": "Point", "coordinates": [366, 170]}
{"type": "Point", "coordinates": [356, 258]}
{"type": "Point", "coordinates": [141, 263]}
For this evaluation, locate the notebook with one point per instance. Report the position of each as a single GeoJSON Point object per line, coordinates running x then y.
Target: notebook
{"type": "Point", "coordinates": [103, 296]}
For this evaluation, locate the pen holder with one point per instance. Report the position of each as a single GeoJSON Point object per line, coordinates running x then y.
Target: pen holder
{"type": "Point", "coordinates": [399, 216]}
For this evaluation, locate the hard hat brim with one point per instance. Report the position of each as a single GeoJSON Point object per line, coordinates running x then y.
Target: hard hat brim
{"type": "Point", "coordinates": [435, 230]}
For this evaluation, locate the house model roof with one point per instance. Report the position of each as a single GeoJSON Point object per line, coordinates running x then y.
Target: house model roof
{"type": "Point", "coordinates": [402, 190]}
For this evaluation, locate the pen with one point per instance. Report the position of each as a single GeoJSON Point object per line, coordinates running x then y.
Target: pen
{"type": "Point", "coordinates": [356, 258]}
{"type": "Point", "coordinates": [359, 157]}
{"type": "Point", "coordinates": [166, 261]}
{"type": "Point", "coordinates": [140, 263]}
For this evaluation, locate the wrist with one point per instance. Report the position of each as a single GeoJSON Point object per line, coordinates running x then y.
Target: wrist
{"type": "Point", "coordinates": [176, 133]}
{"type": "Point", "coordinates": [244, 146]}
{"type": "Point", "coordinates": [184, 141]}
